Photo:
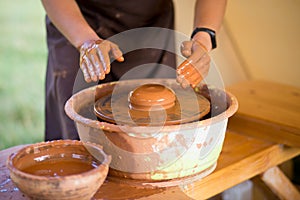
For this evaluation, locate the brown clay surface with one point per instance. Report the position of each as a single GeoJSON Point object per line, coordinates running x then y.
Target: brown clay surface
{"type": "Point", "coordinates": [59, 167]}
{"type": "Point", "coordinates": [149, 96]}
{"type": "Point", "coordinates": [189, 106]}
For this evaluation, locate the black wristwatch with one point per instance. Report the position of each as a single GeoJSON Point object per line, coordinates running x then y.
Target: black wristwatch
{"type": "Point", "coordinates": [211, 33]}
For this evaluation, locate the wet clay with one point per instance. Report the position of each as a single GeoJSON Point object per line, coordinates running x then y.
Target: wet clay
{"type": "Point", "coordinates": [189, 74]}
{"type": "Point", "coordinates": [63, 167]}
{"type": "Point", "coordinates": [152, 96]}
{"type": "Point", "coordinates": [135, 105]}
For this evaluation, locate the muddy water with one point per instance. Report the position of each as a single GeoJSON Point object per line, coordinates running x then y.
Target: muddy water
{"type": "Point", "coordinates": [62, 167]}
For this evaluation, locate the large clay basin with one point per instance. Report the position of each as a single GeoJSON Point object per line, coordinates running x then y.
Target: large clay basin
{"type": "Point", "coordinates": [161, 152]}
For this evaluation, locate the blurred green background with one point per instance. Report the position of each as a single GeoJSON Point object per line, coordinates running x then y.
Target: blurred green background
{"type": "Point", "coordinates": [22, 72]}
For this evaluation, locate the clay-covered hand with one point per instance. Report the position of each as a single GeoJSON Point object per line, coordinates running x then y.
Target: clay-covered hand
{"type": "Point", "coordinates": [193, 70]}
{"type": "Point", "coordinates": [95, 58]}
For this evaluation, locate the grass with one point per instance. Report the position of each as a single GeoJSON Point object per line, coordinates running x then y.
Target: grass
{"type": "Point", "coordinates": [22, 72]}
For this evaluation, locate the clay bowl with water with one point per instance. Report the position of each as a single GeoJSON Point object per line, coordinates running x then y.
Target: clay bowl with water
{"type": "Point", "coordinates": [62, 169]}
{"type": "Point", "coordinates": [157, 147]}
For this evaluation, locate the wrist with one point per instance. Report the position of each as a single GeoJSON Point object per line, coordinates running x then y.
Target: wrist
{"type": "Point", "coordinates": [88, 37]}
{"type": "Point", "coordinates": [206, 34]}
{"type": "Point", "coordinates": [88, 44]}
{"type": "Point", "coordinates": [204, 39]}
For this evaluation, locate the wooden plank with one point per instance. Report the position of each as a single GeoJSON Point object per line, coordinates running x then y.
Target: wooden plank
{"type": "Point", "coordinates": [280, 184]}
{"type": "Point", "coordinates": [113, 189]}
{"type": "Point", "coordinates": [270, 111]}
{"type": "Point", "coordinates": [240, 170]}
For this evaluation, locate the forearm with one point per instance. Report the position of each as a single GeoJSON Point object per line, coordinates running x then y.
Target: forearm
{"type": "Point", "coordinates": [209, 14]}
{"type": "Point", "coordinates": [67, 17]}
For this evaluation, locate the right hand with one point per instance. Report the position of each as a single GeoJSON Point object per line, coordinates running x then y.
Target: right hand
{"type": "Point", "coordinates": [195, 68]}
{"type": "Point", "coordinates": [95, 58]}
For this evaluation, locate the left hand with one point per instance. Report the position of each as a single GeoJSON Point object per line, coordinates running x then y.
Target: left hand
{"type": "Point", "coordinates": [193, 70]}
{"type": "Point", "coordinates": [95, 58]}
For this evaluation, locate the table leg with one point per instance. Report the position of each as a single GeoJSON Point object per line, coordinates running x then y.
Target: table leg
{"type": "Point", "coordinates": [275, 179]}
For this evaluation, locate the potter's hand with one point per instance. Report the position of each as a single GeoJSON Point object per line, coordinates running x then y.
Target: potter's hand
{"type": "Point", "coordinates": [195, 67]}
{"type": "Point", "coordinates": [95, 58]}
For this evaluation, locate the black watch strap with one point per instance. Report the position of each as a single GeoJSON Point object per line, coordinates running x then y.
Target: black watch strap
{"type": "Point", "coordinates": [211, 33]}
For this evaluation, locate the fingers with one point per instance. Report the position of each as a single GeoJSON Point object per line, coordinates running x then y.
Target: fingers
{"type": "Point", "coordinates": [117, 53]}
{"type": "Point", "coordinates": [95, 59]}
{"type": "Point", "coordinates": [103, 55]}
{"type": "Point", "coordinates": [94, 65]}
{"type": "Point", "coordinates": [193, 70]}
{"type": "Point", "coordinates": [85, 72]}
{"type": "Point", "coordinates": [192, 75]}
{"type": "Point", "coordinates": [97, 66]}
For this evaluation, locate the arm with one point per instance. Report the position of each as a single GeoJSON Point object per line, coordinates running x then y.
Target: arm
{"type": "Point", "coordinates": [94, 53]}
{"type": "Point", "coordinates": [66, 16]}
{"type": "Point", "coordinates": [208, 14]}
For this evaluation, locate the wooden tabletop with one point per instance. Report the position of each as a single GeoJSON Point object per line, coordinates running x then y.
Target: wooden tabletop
{"type": "Point", "coordinates": [267, 110]}
{"type": "Point", "coordinates": [242, 157]}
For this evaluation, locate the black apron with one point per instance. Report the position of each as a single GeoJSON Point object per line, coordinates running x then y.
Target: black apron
{"type": "Point", "coordinates": [107, 18]}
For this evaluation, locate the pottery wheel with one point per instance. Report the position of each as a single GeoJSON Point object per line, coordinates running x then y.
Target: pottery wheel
{"type": "Point", "coordinates": [188, 106]}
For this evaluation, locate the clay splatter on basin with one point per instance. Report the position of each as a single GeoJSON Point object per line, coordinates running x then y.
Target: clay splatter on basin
{"type": "Point", "coordinates": [161, 151]}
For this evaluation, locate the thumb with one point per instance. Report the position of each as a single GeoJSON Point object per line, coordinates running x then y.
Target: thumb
{"type": "Point", "coordinates": [117, 53]}
{"type": "Point", "coordinates": [186, 48]}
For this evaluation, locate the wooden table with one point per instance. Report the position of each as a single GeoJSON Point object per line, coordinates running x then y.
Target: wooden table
{"type": "Point", "coordinates": [242, 158]}
{"type": "Point", "coordinates": [268, 117]}
{"type": "Point", "coordinates": [267, 110]}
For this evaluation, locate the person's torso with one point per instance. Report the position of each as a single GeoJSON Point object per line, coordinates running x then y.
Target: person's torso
{"type": "Point", "coordinates": [115, 16]}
